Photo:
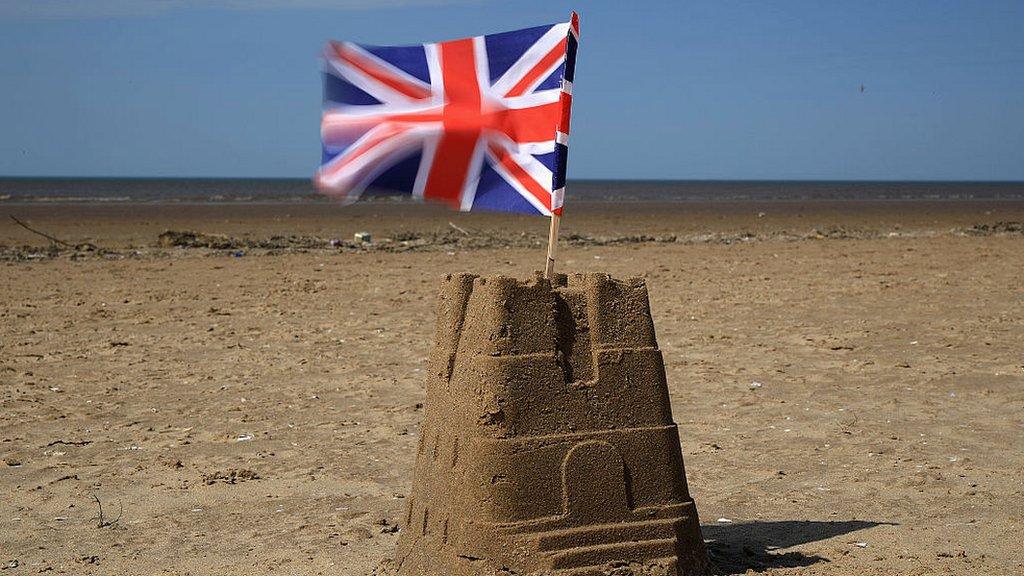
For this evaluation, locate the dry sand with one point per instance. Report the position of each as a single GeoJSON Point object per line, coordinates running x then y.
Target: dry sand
{"type": "Point", "coordinates": [848, 380]}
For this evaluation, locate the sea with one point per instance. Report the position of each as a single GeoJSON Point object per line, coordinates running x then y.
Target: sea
{"type": "Point", "coordinates": [300, 190]}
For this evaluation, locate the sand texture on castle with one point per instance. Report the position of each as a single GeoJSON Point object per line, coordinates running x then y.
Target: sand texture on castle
{"type": "Point", "coordinates": [548, 443]}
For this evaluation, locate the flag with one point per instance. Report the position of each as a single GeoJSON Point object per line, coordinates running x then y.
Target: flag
{"type": "Point", "coordinates": [479, 123]}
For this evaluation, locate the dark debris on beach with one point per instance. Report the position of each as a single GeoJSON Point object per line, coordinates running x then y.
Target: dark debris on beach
{"type": "Point", "coordinates": [173, 242]}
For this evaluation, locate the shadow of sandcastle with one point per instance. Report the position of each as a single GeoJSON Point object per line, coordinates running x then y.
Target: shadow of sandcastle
{"type": "Point", "coordinates": [548, 444]}
{"type": "Point", "coordinates": [741, 547]}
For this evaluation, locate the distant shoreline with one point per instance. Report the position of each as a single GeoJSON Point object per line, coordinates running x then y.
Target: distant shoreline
{"type": "Point", "coordinates": [124, 225]}
{"type": "Point", "coordinates": [234, 191]}
{"type": "Point", "coordinates": [590, 203]}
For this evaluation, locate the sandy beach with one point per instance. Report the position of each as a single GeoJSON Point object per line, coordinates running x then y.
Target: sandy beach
{"type": "Point", "coordinates": [848, 378]}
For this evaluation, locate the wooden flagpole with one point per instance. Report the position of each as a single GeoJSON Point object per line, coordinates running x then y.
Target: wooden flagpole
{"type": "Point", "coordinates": [562, 139]}
{"type": "Point", "coordinates": [549, 266]}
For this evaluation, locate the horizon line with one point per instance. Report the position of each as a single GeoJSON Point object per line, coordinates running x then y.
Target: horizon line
{"type": "Point", "coordinates": [750, 180]}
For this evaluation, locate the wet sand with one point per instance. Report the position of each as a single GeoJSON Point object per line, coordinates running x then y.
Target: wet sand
{"type": "Point", "coordinates": [848, 379]}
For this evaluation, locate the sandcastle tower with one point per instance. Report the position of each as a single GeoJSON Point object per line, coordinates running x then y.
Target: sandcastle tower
{"type": "Point", "coordinates": [548, 445]}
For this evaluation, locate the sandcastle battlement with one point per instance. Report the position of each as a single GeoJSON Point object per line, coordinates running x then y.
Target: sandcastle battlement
{"type": "Point", "coordinates": [548, 442]}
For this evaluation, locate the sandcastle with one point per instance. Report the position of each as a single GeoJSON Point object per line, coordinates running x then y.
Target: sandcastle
{"type": "Point", "coordinates": [548, 445]}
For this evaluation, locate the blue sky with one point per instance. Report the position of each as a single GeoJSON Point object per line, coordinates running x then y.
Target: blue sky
{"type": "Point", "coordinates": [684, 89]}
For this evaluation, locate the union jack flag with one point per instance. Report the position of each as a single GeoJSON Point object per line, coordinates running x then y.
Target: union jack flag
{"type": "Point", "coordinates": [477, 123]}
